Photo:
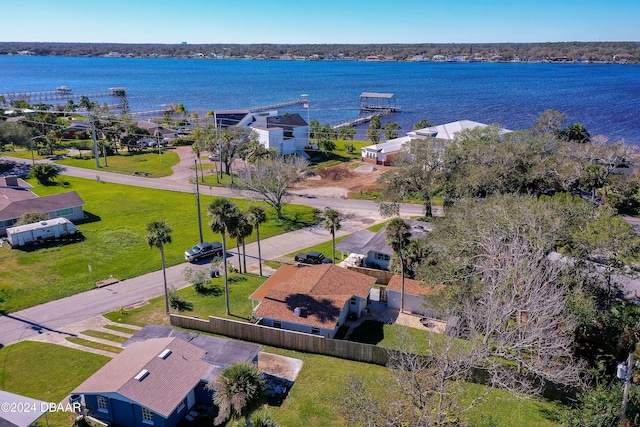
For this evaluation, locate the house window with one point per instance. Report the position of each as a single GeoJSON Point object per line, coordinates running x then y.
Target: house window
{"type": "Point", "coordinates": [382, 257]}
{"type": "Point", "coordinates": [63, 212]}
{"type": "Point", "coordinates": [182, 405]}
{"type": "Point", "coordinates": [315, 331]}
{"type": "Point", "coordinates": [353, 300]}
{"type": "Point", "coordinates": [102, 404]}
{"type": "Point", "coordinates": [7, 223]}
{"type": "Point", "coordinates": [277, 324]}
{"type": "Point", "coordinates": [147, 416]}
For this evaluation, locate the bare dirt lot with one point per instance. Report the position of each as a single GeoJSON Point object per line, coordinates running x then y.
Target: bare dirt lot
{"type": "Point", "coordinates": [339, 180]}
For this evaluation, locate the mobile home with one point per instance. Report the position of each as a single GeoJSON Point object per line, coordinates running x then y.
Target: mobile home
{"type": "Point", "coordinates": [39, 231]}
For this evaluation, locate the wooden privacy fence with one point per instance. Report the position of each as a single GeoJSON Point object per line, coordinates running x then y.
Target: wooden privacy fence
{"type": "Point", "coordinates": [284, 339]}
{"type": "Point", "coordinates": [314, 344]}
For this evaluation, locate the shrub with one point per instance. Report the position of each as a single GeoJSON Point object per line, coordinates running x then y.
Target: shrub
{"type": "Point", "coordinates": [178, 303]}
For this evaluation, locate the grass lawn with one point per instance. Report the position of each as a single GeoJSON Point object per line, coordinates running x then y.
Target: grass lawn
{"type": "Point", "coordinates": [94, 344]}
{"type": "Point", "coordinates": [148, 162]}
{"type": "Point", "coordinates": [105, 336]}
{"type": "Point", "coordinates": [121, 329]}
{"type": "Point", "coordinates": [26, 154]}
{"type": "Point", "coordinates": [210, 302]}
{"type": "Point", "coordinates": [47, 372]}
{"type": "Point", "coordinates": [115, 240]}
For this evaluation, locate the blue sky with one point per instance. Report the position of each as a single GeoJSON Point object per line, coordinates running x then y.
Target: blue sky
{"type": "Point", "coordinates": [319, 21]}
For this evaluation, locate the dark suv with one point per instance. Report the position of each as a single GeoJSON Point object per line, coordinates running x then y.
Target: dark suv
{"type": "Point", "coordinates": [203, 250]}
{"type": "Point", "coordinates": [312, 258]}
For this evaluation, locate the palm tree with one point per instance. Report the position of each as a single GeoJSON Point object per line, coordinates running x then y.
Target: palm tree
{"type": "Point", "coordinates": [245, 228]}
{"type": "Point", "coordinates": [397, 235]}
{"type": "Point", "coordinates": [44, 172]}
{"type": "Point", "coordinates": [158, 235]}
{"type": "Point", "coordinates": [196, 147]}
{"type": "Point", "coordinates": [235, 232]}
{"type": "Point", "coordinates": [240, 390]}
{"type": "Point", "coordinates": [224, 216]}
{"type": "Point", "coordinates": [257, 216]}
{"type": "Point", "coordinates": [332, 224]}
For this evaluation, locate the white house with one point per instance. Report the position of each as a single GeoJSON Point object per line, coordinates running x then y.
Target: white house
{"type": "Point", "coordinates": [384, 153]}
{"type": "Point", "coordinates": [414, 293]}
{"type": "Point", "coordinates": [285, 133]}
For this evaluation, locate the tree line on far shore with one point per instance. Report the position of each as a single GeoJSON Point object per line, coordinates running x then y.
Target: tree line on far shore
{"type": "Point", "coordinates": [569, 51]}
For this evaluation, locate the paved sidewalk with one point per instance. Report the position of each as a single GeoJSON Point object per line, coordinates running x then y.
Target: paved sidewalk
{"type": "Point", "coordinates": [95, 323]}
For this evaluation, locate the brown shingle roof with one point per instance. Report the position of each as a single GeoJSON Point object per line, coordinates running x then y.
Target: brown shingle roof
{"type": "Point", "coordinates": [168, 382]}
{"type": "Point", "coordinates": [320, 291]}
{"type": "Point", "coordinates": [41, 204]}
{"type": "Point", "coordinates": [411, 286]}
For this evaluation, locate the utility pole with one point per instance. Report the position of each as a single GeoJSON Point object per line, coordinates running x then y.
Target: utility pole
{"type": "Point", "coordinates": [198, 202]}
{"type": "Point", "coordinates": [95, 142]}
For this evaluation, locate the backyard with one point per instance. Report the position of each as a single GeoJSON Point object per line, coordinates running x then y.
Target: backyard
{"type": "Point", "coordinates": [315, 396]}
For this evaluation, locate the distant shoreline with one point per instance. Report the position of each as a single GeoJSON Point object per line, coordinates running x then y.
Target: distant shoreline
{"type": "Point", "coordinates": [561, 52]}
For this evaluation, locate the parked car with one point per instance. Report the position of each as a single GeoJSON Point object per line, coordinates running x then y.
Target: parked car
{"type": "Point", "coordinates": [312, 257]}
{"type": "Point", "coordinates": [203, 250]}
{"type": "Point", "coordinates": [214, 157]}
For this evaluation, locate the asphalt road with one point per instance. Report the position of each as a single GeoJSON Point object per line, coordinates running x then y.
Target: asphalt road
{"type": "Point", "coordinates": [52, 316]}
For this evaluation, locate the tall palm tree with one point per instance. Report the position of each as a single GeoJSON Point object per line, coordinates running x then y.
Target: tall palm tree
{"type": "Point", "coordinates": [235, 232]}
{"type": "Point", "coordinates": [257, 216]}
{"type": "Point", "coordinates": [332, 224]}
{"type": "Point", "coordinates": [158, 235]}
{"type": "Point", "coordinates": [397, 235]}
{"type": "Point", "coordinates": [245, 228]}
{"type": "Point", "coordinates": [196, 148]}
{"type": "Point", "coordinates": [240, 390]}
{"type": "Point", "coordinates": [224, 216]}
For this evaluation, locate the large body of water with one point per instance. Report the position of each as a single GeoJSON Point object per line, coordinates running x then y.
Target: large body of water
{"type": "Point", "coordinates": [605, 98]}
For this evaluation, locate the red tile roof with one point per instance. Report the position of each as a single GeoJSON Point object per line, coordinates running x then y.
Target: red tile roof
{"type": "Point", "coordinates": [319, 291]}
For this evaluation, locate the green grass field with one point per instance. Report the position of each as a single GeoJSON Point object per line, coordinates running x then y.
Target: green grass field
{"type": "Point", "coordinates": [47, 372]}
{"type": "Point", "coordinates": [153, 162]}
{"type": "Point", "coordinates": [114, 241]}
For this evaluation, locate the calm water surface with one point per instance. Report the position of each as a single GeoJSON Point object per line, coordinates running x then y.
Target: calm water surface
{"type": "Point", "coordinates": [605, 98]}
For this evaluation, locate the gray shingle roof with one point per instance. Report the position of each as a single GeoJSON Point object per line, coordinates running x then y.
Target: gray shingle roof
{"type": "Point", "coordinates": [362, 242]}
{"type": "Point", "coordinates": [168, 380]}
{"type": "Point", "coordinates": [41, 204]}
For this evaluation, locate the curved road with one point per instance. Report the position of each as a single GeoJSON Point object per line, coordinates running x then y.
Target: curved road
{"type": "Point", "coordinates": [54, 315]}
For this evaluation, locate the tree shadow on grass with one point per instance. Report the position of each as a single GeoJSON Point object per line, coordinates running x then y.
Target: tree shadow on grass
{"type": "Point", "coordinates": [368, 332]}
{"type": "Point", "coordinates": [213, 291]}
{"type": "Point", "coordinates": [292, 221]}
{"type": "Point", "coordinates": [236, 279]}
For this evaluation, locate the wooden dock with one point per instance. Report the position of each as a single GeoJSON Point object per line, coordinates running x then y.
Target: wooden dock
{"type": "Point", "coordinates": [278, 105]}
{"type": "Point", "coordinates": [359, 120]}
{"type": "Point", "coordinates": [61, 93]}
